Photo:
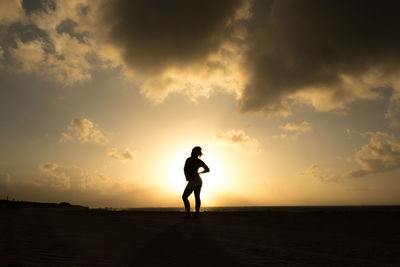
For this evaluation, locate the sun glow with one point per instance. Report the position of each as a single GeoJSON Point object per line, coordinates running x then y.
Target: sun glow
{"type": "Point", "coordinates": [213, 182]}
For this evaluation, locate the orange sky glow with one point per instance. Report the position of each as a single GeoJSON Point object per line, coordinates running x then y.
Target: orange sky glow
{"type": "Point", "coordinates": [101, 106]}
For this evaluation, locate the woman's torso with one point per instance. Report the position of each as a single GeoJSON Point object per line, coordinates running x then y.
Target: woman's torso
{"type": "Point", "coordinates": [191, 168]}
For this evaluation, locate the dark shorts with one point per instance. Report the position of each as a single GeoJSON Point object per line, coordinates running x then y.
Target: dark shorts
{"type": "Point", "coordinates": [195, 183]}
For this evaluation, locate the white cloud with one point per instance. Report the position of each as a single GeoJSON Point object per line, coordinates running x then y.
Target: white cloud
{"type": "Point", "coordinates": [239, 139]}
{"type": "Point", "coordinates": [83, 130]}
{"type": "Point", "coordinates": [381, 154]}
{"type": "Point", "coordinates": [125, 154]}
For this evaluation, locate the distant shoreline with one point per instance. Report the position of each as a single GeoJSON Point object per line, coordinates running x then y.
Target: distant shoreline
{"type": "Point", "coordinates": [11, 204]}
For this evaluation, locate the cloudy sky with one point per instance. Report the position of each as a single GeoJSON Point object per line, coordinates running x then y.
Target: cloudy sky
{"type": "Point", "coordinates": [293, 102]}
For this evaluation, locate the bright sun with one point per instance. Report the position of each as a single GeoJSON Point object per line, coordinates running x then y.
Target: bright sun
{"type": "Point", "coordinates": [212, 181]}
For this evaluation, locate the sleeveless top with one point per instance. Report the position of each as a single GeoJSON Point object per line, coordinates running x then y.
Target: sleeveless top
{"type": "Point", "coordinates": [191, 168]}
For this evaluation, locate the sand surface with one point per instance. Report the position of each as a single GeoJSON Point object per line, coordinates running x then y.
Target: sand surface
{"type": "Point", "coordinates": [68, 237]}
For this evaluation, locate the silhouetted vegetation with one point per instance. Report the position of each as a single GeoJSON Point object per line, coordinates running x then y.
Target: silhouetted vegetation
{"type": "Point", "coordinates": [11, 204]}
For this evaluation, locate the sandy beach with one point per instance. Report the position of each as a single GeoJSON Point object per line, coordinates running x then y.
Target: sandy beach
{"type": "Point", "coordinates": [268, 237]}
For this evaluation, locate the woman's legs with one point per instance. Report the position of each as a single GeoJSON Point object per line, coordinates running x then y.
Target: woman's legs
{"type": "Point", "coordinates": [186, 194]}
{"type": "Point", "coordinates": [197, 198]}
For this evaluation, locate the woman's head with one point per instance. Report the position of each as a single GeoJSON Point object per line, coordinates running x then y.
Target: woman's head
{"type": "Point", "coordinates": [196, 152]}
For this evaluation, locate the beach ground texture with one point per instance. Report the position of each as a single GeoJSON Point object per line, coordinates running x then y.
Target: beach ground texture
{"type": "Point", "coordinates": [275, 237]}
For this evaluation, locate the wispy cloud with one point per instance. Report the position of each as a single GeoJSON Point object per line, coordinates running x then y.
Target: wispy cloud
{"type": "Point", "coordinates": [74, 178]}
{"type": "Point", "coordinates": [292, 130]}
{"type": "Point", "coordinates": [318, 175]}
{"type": "Point", "coordinates": [5, 178]}
{"type": "Point", "coordinates": [239, 139]}
{"type": "Point", "coordinates": [83, 130]}
{"type": "Point", "coordinates": [28, 55]}
{"type": "Point", "coordinates": [350, 133]}
{"type": "Point", "coordinates": [5, 184]}
{"type": "Point", "coordinates": [1, 56]}
{"type": "Point", "coordinates": [48, 167]}
{"type": "Point", "coordinates": [125, 154]}
{"type": "Point", "coordinates": [360, 189]}
{"type": "Point", "coordinates": [393, 111]}
{"type": "Point", "coordinates": [71, 178]}
{"type": "Point", "coordinates": [303, 127]}
{"type": "Point", "coordinates": [57, 176]}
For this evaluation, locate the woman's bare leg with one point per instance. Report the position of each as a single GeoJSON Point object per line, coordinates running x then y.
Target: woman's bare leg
{"type": "Point", "coordinates": [197, 198]}
{"type": "Point", "coordinates": [185, 199]}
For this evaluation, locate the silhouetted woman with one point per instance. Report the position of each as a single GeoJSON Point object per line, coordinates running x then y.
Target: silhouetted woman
{"type": "Point", "coordinates": [192, 175]}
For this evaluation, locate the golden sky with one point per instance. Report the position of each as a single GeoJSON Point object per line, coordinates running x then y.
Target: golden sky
{"type": "Point", "coordinates": [293, 102]}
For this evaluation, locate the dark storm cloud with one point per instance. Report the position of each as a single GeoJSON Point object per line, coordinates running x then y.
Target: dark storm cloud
{"type": "Point", "coordinates": [69, 26]}
{"type": "Point", "coordinates": [25, 33]}
{"type": "Point", "coordinates": [298, 45]}
{"type": "Point", "coordinates": [326, 53]}
{"type": "Point", "coordinates": [38, 5]}
{"type": "Point", "coordinates": [157, 34]}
